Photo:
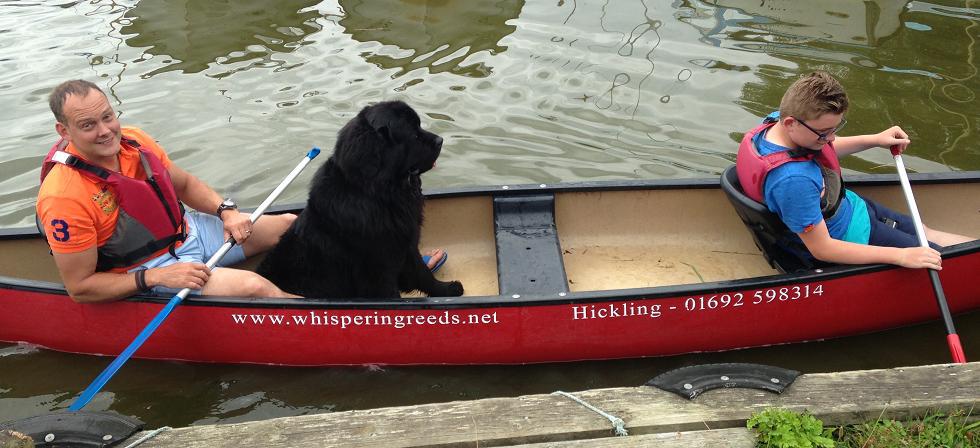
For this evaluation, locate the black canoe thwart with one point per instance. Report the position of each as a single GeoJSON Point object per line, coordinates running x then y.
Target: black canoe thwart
{"type": "Point", "coordinates": [529, 259]}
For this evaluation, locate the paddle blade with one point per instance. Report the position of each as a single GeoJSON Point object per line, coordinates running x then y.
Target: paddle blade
{"type": "Point", "coordinates": [955, 348]}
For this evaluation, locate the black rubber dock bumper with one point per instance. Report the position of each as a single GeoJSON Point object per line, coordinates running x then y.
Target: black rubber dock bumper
{"type": "Point", "coordinates": [689, 382]}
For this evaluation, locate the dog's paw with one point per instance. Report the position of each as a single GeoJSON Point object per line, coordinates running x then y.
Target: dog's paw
{"type": "Point", "coordinates": [452, 289]}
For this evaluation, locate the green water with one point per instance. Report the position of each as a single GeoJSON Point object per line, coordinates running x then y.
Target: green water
{"type": "Point", "coordinates": [522, 92]}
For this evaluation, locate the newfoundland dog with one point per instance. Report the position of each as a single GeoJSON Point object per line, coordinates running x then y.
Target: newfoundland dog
{"type": "Point", "coordinates": [359, 234]}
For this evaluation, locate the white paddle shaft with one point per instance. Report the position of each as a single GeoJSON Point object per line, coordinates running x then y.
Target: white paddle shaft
{"type": "Point", "coordinates": [920, 230]}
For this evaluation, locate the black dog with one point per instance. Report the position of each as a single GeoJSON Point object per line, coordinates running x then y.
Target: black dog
{"type": "Point", "coordinates": [358, 236]}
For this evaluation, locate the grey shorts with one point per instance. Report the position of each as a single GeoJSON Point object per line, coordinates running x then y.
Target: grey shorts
{"type": "Point", "coordinates": [205, 235]}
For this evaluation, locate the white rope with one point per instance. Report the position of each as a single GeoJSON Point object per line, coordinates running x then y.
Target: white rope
{"type": "Point", "coordinates": [619, 426]}
{"type": "Point", "coordinates": [148, 436]}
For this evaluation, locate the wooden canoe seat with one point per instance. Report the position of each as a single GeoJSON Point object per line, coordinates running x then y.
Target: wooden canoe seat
{"type": "Point", "coordinates": [529, 257]}
{"type": "Point", "coordinates": [778, 245]}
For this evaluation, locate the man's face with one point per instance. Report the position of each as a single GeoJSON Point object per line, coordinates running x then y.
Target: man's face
{"type": "Point", "coordinates": [91, 125]}
{"type": "Point", "coordinates": [813, 134]}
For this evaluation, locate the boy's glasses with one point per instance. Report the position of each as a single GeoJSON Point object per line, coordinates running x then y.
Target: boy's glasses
{"type": "Point", "coordinates": [822, 136]}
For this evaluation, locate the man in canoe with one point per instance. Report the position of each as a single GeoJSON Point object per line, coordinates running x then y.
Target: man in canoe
{"type": "Point", "coordinates": [790, 163]}
{"type": "Point", "coordinates": [114, 231]}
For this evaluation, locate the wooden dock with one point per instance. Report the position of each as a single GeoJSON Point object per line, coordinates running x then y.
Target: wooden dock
{"type": "Point", "coordinates": [653, 418]}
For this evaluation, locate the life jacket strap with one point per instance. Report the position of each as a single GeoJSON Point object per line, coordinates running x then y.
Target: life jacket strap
{"type": "Point", "coordinates": [69, 159]}
{"type": "Point", "coordinates": [106, 263]}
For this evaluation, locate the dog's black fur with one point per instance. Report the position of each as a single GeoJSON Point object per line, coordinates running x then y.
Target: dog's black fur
{"type": "Point", "coordinates": [359, 234]}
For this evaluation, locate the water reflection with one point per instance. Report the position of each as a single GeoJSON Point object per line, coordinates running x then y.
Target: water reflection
{"type": "Point", "coordinates": [437, 34]}
{"type": "Point", "coordinates": [624, 66]}
{"type": "Point", "coordinates": [192, 34]}
{"type": "Point", "coordinates": [843, 21]}
{"type": "Point", "coordinates": [892, 58]}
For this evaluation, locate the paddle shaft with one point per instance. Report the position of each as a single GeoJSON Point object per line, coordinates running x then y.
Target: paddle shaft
{"type": "Point", "coordinates": [952, 339]}
{"type": "Point", "coordinates": [108, 373]}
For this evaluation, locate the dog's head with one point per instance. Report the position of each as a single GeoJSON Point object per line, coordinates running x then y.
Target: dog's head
{"type": "Point", "coordinates": [386, 142]}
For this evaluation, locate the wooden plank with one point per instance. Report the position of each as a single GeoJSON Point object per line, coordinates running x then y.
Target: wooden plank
{"type": "Point", "coordinates": [836, 398]}
{"type": "Point", "coordinates": [716, 438]}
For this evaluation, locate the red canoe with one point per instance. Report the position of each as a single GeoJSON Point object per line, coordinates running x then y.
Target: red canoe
{"type": "Point", "coordinates": [552, 273]}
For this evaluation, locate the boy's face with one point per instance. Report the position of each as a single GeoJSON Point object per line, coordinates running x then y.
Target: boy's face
{"type": "Point", "coordinates": [813, 134]}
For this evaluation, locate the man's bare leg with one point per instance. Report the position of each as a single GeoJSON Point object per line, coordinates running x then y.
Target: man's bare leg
{"type": "Point", "coordinates": [945, 238]}
{"type": "Point", "coordinates": [241, 283]}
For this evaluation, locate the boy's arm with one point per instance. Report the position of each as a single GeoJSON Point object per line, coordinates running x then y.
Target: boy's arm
{"type": "Point", "coordinates": [825, 248]}
{"type": "Point", "coordinates": [894, 135]}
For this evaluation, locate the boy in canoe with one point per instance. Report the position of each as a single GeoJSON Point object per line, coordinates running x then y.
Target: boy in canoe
{"type": "Point", "coordinates": [115, 231]}
{"type": "Point", "coordinates": [790, 163]}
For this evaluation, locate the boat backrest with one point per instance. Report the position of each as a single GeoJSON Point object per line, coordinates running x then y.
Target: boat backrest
{"type": "Point", "coordinates": [779, 246]}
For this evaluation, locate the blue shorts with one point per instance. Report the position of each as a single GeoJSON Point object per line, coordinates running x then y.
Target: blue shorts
{"type": "Point", "coordinates": [205, 235]}
{"type": "Point", "coordinates": [892, 229]}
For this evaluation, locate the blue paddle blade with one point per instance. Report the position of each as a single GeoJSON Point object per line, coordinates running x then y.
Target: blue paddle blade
{"type": "Point", "coordinates": [110, 371]}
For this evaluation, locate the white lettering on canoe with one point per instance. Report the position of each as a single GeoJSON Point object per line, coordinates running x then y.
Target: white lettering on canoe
{"type": "Point", "coordinates": [698, 303]}
{"type": "Point", "coordinates": [614, 310]}
{"type": "Point", "coordinates": [758, 297]}
{"type": "Point", "coordinates": [399, 321]}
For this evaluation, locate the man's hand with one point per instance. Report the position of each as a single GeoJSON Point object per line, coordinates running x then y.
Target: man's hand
{"type": "Point", "coordinates": [179, 276]}
{"type": "Point", "coordinates": [237, 225]}
{"type": "Point", "coordinates": [893, 138]}
{"type": "Point", "coordinates": [920, 258]}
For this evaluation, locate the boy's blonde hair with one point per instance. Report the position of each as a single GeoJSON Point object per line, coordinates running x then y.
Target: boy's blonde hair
{"type": "Point", "coordinates": [812, 96]}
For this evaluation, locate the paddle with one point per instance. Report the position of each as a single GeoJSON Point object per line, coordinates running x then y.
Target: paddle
{"type": "Point", "coordinates": [107, 374]}
{"type": "Point", "coordinates": [952, 339]}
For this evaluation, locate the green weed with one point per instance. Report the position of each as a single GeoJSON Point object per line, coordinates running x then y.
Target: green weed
{"type": "Point", "coordinates": [934, 430]}
{"type": "Point", "coordinates": [780, 428]}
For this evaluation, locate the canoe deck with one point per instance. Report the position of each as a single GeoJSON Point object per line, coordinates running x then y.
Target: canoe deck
{"type": "Point", "coordinates": [610, 239]}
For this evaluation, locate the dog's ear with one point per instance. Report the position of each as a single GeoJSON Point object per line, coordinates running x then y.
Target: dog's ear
{"type": "Point", "coordinates": [378, 119]}
{"type": "Point", "coordinates": [384, 132]}
{"type": "Point", "coordinates": [390, 119]}
{"type": "Point", "coordinates": [358, 150]}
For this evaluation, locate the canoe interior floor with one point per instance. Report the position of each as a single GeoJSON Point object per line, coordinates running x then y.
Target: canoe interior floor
{"type": "Point", "coordinates": [592, 268]}
{"type": "Point", "coordinates": [635, 239]}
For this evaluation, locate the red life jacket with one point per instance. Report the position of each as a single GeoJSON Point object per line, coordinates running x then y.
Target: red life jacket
{"type": "Point", "coordinates": [151, 217]}
{"type": "Point", "coordinates": [753, 168]}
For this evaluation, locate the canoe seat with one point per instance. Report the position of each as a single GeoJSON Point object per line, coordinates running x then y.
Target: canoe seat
{"type": "Point", "coordinates": [779, 246]}
{"type": "Point", "coordinates": [529, 257]}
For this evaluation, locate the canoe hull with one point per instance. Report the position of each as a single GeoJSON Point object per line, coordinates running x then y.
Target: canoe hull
{"type": "Point", "coordinates": [625, 279]}
{"type": "Point", "coordinates": [781, 309]}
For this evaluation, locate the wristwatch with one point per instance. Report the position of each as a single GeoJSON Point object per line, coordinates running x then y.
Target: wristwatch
{"type": "Point", "coordinates": [227, 204]}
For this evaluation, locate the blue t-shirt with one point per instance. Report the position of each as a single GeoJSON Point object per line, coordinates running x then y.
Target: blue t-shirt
{"type": "Point", "coordinates": [792, 191]}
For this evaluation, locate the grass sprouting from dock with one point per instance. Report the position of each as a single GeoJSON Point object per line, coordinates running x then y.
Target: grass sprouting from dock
{"type": "Point", "coordinates": [778, 428]}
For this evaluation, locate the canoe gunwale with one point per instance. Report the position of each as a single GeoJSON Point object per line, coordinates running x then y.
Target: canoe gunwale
{"type": "Point", "coordinates": [953, 177]}
{"type": "Point", "coordinates": [504, 301]}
